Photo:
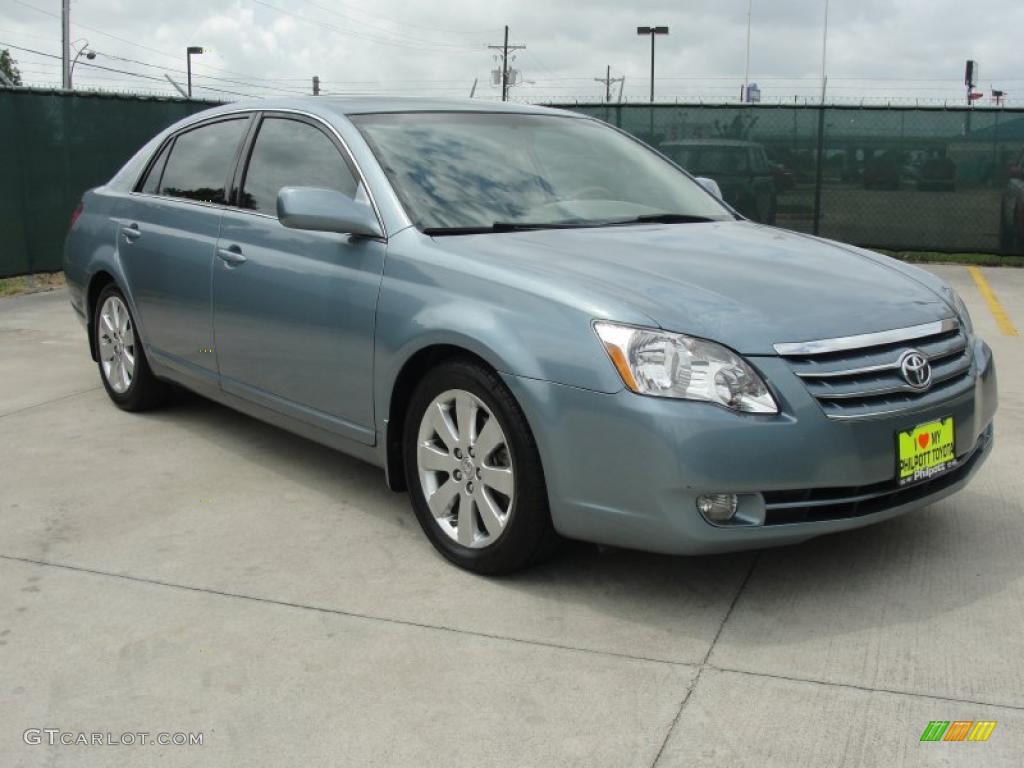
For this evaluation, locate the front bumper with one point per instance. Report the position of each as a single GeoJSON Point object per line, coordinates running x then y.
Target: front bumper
{"type": "Point", "coordinates": [625, 470]}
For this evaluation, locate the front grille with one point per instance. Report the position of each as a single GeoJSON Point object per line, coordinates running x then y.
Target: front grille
{"type": "Point", "coordinates": [818, 504]}
{"type": "Point", "coordinates": [859, 377]}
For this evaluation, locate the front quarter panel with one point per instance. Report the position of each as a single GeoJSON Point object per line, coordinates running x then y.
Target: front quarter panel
{"type": "Point", "coordinates": [430, 297]}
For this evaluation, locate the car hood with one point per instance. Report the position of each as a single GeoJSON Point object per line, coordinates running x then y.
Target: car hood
{"type": "Point", "coordinates": [741, 284]}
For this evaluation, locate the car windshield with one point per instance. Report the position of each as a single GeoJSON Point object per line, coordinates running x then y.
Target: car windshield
{"type": "Point", "coordinates": [711, 160]}
{"type": "Point", "coordinates": [474, 170]}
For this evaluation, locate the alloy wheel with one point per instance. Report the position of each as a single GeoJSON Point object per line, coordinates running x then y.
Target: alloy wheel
{"type": "Point", "coordinates": [465, 468]}
{"type": "Point", "coordinates": [116, 344]}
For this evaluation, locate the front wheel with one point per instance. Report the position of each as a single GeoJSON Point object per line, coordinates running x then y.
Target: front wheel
{"type": "Point", "coordinates": [473, 471]}
{"type": "Point", "coordinates": [124, 369]}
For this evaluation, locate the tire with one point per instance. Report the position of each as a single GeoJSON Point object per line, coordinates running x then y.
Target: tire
{"type": "Point", "coordinates": [124, 369]}
{"type": "Point", "coordinates": [479, 526]}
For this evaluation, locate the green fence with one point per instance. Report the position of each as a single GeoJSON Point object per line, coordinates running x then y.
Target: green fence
{"type": "Point", "coordinates": [53, 147]}
{"type": "Point", "coordinates": [903, 179]}
{"type": "Point", "coordinates": [913, 179]}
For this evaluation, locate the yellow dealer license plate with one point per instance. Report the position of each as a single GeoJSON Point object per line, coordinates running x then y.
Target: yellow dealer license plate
{"type": "Point", "coordinates": [925, 451]}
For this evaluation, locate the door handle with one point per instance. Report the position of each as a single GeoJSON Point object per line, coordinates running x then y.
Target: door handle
{"type": "Point", "coordinates": [232, 255]}
{"type": "Point", "coordinates": [132, 232]}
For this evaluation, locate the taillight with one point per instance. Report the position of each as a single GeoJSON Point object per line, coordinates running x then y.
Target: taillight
{"type": "Point", "coordinates": [75, 214]}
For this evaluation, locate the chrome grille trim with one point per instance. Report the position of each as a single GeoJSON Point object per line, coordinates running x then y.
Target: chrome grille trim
{"type": "Point", "coordinates": [865, 381]}
{"type": "Point", "coordinates": [894, 366]}
{"type": "Point", "coordinates": [844, 343]}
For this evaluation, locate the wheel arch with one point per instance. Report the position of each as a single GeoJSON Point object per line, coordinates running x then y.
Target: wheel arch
{"type": "Point", "coordinates": [411, 372]}
{"type": "Point", "coordinates": [97, 282]}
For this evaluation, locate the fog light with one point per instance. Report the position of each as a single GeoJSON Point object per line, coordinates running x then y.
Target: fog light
{"type": "Point", "coordinates": [717, 507]}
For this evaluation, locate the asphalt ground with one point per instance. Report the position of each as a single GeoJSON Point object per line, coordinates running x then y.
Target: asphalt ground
{"type": "Point", "coordinates": [192, 570]}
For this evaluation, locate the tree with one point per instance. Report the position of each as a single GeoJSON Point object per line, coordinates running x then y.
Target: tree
{"type": "Point", "coordinates": [9, 67]}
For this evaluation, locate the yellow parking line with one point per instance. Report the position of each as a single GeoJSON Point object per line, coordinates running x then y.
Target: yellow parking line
{"type": "Point", "coordinates": [1002, 319]}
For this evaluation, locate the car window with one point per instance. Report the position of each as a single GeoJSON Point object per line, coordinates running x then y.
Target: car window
{"type": "Point", "coordinates": [290, 153]}
{"type": "Point", "coordinates": [152, 182]}
{"type": "Point", "coordinates": [200, 161]}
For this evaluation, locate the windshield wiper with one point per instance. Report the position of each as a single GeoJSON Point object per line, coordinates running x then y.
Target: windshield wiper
{"type": "Point", "coordinates": [666, 218]}
{"type": "Point", "coordinates": [511, 226]}
{"type": "Point", "coordinates": [527, 226]}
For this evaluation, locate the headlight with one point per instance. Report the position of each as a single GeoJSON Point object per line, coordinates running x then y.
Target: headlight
{"type": "Point", "coordinates": [961, 312]}
{"type": "Point", "coordinates": [663, 364]}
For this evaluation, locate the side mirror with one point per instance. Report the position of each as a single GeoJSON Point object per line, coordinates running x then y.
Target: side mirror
{"type": "Point", "coordinates": [710, 185]}
{"type": "Point", "coordinates": [325, 210]}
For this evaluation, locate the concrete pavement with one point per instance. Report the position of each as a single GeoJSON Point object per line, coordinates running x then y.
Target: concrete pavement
{"type": "Point", "coordinates": [194, 570]}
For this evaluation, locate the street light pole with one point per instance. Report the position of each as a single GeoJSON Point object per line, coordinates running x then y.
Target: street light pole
{"type": "Point", "coordinates": [90, 55]}
{"type": "Point", "coordinates": [652, 31]}
{"type": "Point", "coordinates": [191, 51]}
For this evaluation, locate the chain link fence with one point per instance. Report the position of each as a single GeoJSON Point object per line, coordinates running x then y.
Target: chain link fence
{"type": "Point", "coordinates": [902, 179]}
{"type": "Point", "coordinates": [932, 179]}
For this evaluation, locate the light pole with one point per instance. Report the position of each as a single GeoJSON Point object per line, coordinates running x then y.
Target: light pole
{"type": "Point", "coordinates": [90, 55]}
{"type": "Point", "coordinates": [653, 32]}
{"type": "Point", "coordinates": [191, 51]}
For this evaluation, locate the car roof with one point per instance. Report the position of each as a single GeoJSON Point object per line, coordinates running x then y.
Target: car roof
{"type": "Point", "coordinates": [361, 105]}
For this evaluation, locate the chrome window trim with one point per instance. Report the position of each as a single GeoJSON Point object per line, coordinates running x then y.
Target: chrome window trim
{"type": "Point", "coordinates": [251, 111]}
{"type": "Point", "coordinates": [845, 343]}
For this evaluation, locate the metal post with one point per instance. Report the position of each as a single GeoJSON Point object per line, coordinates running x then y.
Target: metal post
{"type": "Point", "coordinates": [824, 54]}
{"type": "Point", "coordinates": [608, 84]}
{"type": "Point", "coordinates": [65, 31]}
{"type": "Point", "coordinates": [746, 68]}
{"type": "Point", "coordinates": [504, 67]}
{"type": "Point", "coordinates": [820, 170]}
{"type": "Point", "coordinates": [652, 66]}
{"type": "Point", "coordinates": [189, 52]}
{"type": "Point", "coordinates": [316, 85]}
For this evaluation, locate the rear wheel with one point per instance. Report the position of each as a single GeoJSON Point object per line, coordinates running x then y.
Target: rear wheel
{"type": "Point", "coordinates": [473, 471]}
{"type": "Point", "coordinates": [124, 369]}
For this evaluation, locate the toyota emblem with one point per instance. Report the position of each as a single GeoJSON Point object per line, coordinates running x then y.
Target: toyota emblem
{"type": "Point", "coordinates": [915, 369]}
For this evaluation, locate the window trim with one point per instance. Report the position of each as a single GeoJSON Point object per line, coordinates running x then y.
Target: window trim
{"type": "Point", "coordinates": [242, 171]}
{"type": "Point", "coordinates": [173, 139]}
{"type": "Point", "coordinates": [254, 114]}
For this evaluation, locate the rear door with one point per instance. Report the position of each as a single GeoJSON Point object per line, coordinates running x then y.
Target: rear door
{"type": "Point", "coordinates": [167, 239]}
{"type": "Point", "coordinates": [294, 310]}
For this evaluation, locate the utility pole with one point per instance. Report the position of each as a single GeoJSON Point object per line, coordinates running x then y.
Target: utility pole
{"type": "Point", "coordinates": [505, 48]}
{"type": "Point", "coordinates": [65, 34]}
{"type": "Point", "coordinates": [608, 80]}
{"type": "Point", "coordinates": [316, 85]}
{"type": "Point", "coordinates": [653, 32]}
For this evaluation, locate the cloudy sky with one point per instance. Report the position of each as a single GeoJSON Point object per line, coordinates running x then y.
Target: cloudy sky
{"type": "Point", "coordinates": [877, 49]}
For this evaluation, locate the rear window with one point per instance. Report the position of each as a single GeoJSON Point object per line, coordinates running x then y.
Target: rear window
{"type": "Point", "coordinates": [200, 161]}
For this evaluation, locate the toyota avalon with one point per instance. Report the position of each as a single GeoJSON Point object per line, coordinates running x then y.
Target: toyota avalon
{"type": "Point", "coordinates": [535, 324]}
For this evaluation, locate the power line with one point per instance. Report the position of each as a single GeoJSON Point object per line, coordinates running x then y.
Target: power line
{"type": "Point", "coordinates": [123, 71]}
